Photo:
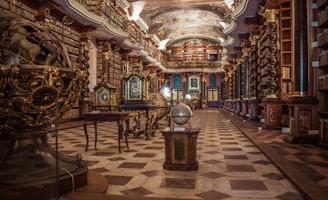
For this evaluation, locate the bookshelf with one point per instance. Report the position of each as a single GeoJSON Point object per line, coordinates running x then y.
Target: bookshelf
{"type": "Point", "coordinates": [116, 70]}
{"type": "Point", "coordinates": [193, 56]}
{"type": "Point", "coordinates": [22, 9]}
{"type": "Point", "coordinates": [322, 41]}
{"type": "Point", "coordinates": [286, 51]}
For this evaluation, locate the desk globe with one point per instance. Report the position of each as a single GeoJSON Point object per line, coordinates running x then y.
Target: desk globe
{"type": "Point", "coordinates": [181, 114]}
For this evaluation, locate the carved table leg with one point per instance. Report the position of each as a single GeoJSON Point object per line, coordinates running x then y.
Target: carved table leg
{"type": "Point", "coordinates": [86, 135]}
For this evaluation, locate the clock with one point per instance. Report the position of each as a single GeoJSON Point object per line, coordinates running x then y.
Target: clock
{"type": "Point", "coordinates": [105, 96]}
{"type": "Point", "coordinates": [134, 88]}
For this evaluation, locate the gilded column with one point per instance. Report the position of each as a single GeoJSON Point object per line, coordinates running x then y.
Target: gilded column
{"type": "Point", "coordinates": [230, 81]}
{"type": "Point", "coordinates": [203, 89]}
{"type": "Point", "coordinates": [270, 58]}
{"type": "Point", "coordinates": [253, 73]}
{"type": "Point", "coordinates": [85, 68]}
{"type": "Point", "coordinates": [245, 72]}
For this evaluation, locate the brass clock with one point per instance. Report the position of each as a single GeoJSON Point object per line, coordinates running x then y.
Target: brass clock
{"type": "Point", "coordinates": [136, 87]}
{"type": "Point", "coordinates": [105, 96]}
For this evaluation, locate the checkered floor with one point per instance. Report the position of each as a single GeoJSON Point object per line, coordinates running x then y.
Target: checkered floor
{"type": "Point", "coordinates": [230, 165]}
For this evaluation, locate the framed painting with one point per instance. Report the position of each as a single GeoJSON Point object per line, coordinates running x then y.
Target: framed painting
{"type": "Point", "coordinates": [193, 83]}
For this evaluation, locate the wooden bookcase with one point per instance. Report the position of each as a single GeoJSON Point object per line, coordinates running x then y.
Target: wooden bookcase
{"type": "Point", "coordinates": [116, 71]}
{"type": "Point", "coordinates": [4, 5]}
{"type": "Point", "coordinates": [322, 44]}
{"type": "Point", "coordinates": [286, 48]}
{"type": "Point", "coordinates": [191, 55]}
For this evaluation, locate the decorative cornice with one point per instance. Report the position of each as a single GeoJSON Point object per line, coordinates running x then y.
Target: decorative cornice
{"type": "Point", "coordinates": [93, 18]}
{"type": "Point", "coordinates": [240, 9]}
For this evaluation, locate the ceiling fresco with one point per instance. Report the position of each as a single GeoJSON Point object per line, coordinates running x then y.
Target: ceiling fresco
{"type": "Point", "coordinates": [176, 20]}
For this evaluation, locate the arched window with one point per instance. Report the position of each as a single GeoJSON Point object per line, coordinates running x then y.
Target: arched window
{"type": "Point", "coordinates": [177, 81]}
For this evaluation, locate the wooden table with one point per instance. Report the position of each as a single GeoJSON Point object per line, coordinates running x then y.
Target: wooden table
{"type": "Point", "coordinates": [144, 109]}
{"type": "Point", "coordinates": [107, 116]}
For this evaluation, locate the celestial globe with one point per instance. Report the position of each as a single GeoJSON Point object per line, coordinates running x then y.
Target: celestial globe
{"type": "Point", "coordinates": [181, 114]}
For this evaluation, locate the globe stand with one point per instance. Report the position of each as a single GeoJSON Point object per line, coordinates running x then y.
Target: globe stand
{"type": "Point", "coordinates": [57, 178]}
{"type": "Point", "coordinates": [181, 140]}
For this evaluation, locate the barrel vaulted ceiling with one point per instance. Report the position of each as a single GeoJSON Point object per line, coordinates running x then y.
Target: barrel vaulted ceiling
{"type": "Point", "coordinates": [173, 21]}
{"type": "Point", "coordinates": [219, 21]}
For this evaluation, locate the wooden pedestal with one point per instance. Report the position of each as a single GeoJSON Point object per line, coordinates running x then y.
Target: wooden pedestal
{"type": "Point", "coordinates": [244, 108]}
{"type": "Point", "coordinates": [323, 129]}
{"type": "Point", "coordinates": [180, 149]}
{"type": "Point", "coordinates": [272, 113]}
{"type": "Point", "coordinates": [302, 120]}
{"type": "Point", "coordinates": [253, 109]}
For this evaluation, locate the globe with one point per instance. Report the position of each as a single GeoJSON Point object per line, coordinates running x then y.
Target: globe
{"type": "Point", "coordinates": [181, 114]}
{"type": "Point", "coordinates": [38, 85]}
{"type": "Point", "coordinates": [37, 79]}
{"type": "Point", "coordinates": [159, 101]}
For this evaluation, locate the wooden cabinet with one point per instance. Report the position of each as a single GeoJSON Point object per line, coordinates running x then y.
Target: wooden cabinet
{"type": "Point", "coordinates": [286, 49]}
{"type": "Point", "coordinates": [180, 149]}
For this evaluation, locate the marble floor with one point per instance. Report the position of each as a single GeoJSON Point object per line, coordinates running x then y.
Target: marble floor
{"type": "Point", "coordinates": [234, 162]}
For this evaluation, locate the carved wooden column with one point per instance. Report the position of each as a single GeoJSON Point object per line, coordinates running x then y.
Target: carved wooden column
{"type": "Point", "coordinates": [245, 76]}
{"type": "Point", "coordinates": [239, 86]}
{"type": "Point", "coordinates": [272, 113]}
{"type": "Point", "coordinates": [184, 83]}
{"type": "Point", "coordinates": [85, 104]}
{"type": "Point", "coordinates": [203, 91]}
{"type": "Point", "coordinates": [253, 74]}
{"type": "Point", "coordinates": [270, 61]}
{"type": "Point", "coordinates": [223, 94]}
{"type": "Point", "coordinates": [234, 85]}
{"type": "Point", "coordinates": [230, 89]}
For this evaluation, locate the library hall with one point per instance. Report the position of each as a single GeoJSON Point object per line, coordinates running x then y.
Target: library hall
{"type": "Point", "coordinates": [164, 100]}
